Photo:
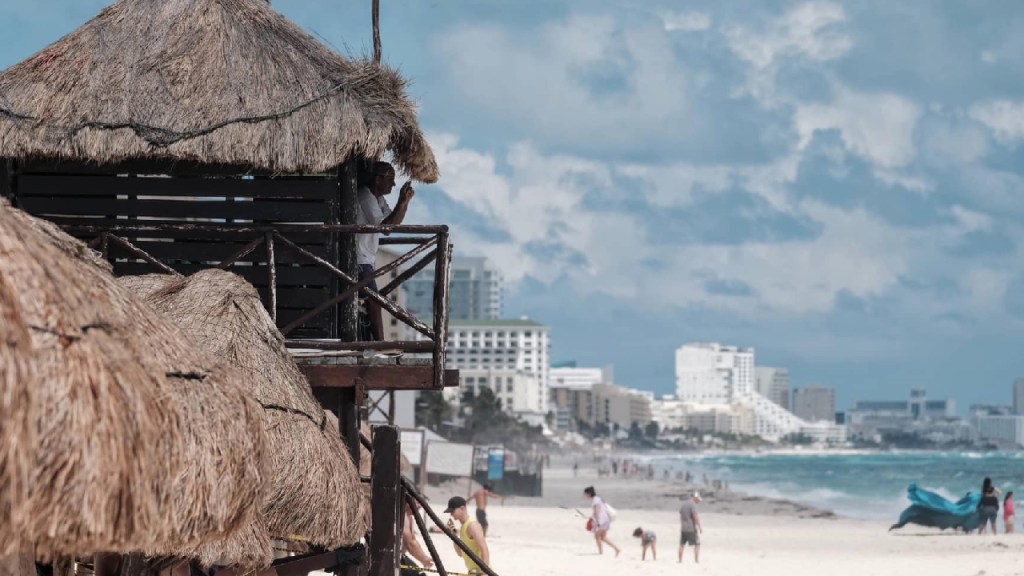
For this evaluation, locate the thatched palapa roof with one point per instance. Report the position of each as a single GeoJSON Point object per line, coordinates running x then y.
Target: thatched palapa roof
{"type": "Point", "coordinates": [140, 441]}
{"type": "Point", "coordinates": [314, 489]}
{"type": "Point", "coordinates": [213, 81]}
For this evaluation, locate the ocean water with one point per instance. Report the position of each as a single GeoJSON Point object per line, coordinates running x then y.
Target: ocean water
{"type": "Point", "coordinates": [870, 486]}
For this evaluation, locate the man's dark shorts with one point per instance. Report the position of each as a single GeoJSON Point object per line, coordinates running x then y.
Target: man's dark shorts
{"type": "Point", "coordinates": [690, 538]}
{"type": "Point", "coordinates": [366, 271]}
{"type": "Point", "coordinates": [481, 517]}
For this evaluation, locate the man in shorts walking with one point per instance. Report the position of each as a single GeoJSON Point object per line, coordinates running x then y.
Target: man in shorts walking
{"type": "Point", "coordinates": [689, 527]}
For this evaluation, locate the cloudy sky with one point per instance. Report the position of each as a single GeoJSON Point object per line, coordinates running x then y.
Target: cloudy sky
{"type": "Point", "coordinates": [838, 185]}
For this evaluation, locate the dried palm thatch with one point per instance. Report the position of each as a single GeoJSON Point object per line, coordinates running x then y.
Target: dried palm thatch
{"type": "Point", "coordinates": [313, 490]}
{"type": "Point", "coordinates": [214, 81]}
{"type": "Point", "coordinates": [17, 376]}
{"type": "Point", "coordinates": [141, 441]}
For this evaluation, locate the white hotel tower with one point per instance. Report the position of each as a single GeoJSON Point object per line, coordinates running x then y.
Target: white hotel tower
{"type": "Point", "coordinates": [709, 373]}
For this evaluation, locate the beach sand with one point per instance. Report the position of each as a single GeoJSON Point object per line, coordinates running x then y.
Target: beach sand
{"type": "Point", "coordinates": [542, 541]}
{"type": "Point", "coordinates": [743, 535]}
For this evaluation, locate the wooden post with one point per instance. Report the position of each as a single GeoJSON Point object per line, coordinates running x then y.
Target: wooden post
{"type": "Point", "coordinates": [344, 248]}
{"type": "Point", "coordinates": [6, 169]}
{"type": "Point", "coordinates": [442, 270]}
{"type": "Point", "coordinates": [376, 32]}
{"type": "Point", "coordinates": [386, 502]}
{"type": "Point", "coordinates": [348, 421]}
{"type": "Point", "coordinates": [106, 564]}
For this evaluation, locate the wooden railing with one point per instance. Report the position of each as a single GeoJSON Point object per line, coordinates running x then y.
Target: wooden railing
{"type": "Point", "coordinates": [264, 245]}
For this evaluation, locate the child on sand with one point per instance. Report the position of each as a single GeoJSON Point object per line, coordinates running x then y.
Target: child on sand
{"type": "Point", "coordinates": [647, 540]}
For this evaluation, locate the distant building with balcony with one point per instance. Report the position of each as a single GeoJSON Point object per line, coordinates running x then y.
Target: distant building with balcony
{"type": "Point", "coordinates": [476, 290]}
{"type": "Point", "coordinates": [518, 345]}
{"type": "Point", "coordinates": [709, 374]}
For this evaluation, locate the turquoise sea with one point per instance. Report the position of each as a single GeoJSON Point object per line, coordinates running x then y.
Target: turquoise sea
{"type": "Point", "coordinates": [869, 486]}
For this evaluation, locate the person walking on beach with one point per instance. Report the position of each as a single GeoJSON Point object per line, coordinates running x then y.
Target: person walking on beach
{"type": "Point", "coordinates": [470, 532]}
{"type": "Point", "coordinates": [480, 498]}
{"type": "Point", "coordinates": [601, 520]}
{"type": "Point", "coordinates": [372, 209]}
{"type": "Point", "coordinates": [647, 540]}
{"type": "Point", "coordinates": [689, 527]}
{"type": "Point", "coordinates": [988, 508]}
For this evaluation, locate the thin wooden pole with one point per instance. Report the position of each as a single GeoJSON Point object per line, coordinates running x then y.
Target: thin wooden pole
{"type": "Point", "coordinates": [271, 275]}
{"type": "Point", "coordinates": [376, 32]}
{"type": "Point", "coordinates": [438, 565]}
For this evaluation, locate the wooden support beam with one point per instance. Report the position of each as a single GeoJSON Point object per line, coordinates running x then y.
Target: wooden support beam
{"type": "Point", "coordinates": [386, 502]}
{"type": "Point", "coordinates": [137, 252]}
{"type": "Point", "coordinates": [346, 297]}
{"type": "Point", "coordinates": [345, 214]}
{"type": "Point", "coordinates": [377, 377]}
{"type": "Point", "coordinates": [438, 565]}
{"type": "Point", "coordinates": [411, 491]}
{"type": "Point", "coordinates": [6, 174]}
{"type": "Point", "coordinates": [268, 239]}
{"type": "Point", "coordinates": [245, 251]}
{"type": "Point", "coordinates": [348, 421]}
{"type": "Point", "coordinates": [411, 346]}
{"type": "Point", "coordinates": [378, 297]}
{"type": "Point", "coordinates": [442, 270]}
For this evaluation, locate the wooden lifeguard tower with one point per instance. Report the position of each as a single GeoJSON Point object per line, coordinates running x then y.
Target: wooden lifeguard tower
{"type": "Point", "coordinates": [178, 135]}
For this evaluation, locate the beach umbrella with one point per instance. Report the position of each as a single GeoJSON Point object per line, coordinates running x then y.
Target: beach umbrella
{"type": "Point", "coordinates": [139, 440]}
{"type": "Point", "coordinates": [313, 489]}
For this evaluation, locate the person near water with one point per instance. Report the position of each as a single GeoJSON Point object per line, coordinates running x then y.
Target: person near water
{"type": "Point", "coordinates": [480, 498]}
{"type": "Point", "coordinates": [470, 532]}
{"type": "Point", "coordinates": [575, 469]}
{"type": "Point", "coordinates": [988, 507]}
{"type": "Point", "coordinates": [411, 546]}
{"type": "Point", "coordinates": [373, 209]}
{"type": "Point", "coordinates": [690, 528]}
{"type": "Point", "coordinates": [601, 520]}
{"type": "Point", "coordinates": [647, 540]}
{"type": "Point", "coordinates": [1009, 511]}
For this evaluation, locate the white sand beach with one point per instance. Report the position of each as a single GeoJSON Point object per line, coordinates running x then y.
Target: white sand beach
{"type": "Point", "coordinates": [542, 541]}
{"type": "Point", "coordinates": [743, 535]}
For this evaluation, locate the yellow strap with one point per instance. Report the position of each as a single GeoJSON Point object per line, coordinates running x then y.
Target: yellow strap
{"type": "Point", "coordinates": [420, 568]}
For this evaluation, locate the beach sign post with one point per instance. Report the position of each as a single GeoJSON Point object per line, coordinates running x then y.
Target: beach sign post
{"type": "Point", "coordinates": [496, 464]}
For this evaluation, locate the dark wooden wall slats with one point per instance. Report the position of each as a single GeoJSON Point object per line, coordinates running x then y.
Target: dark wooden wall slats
{"type": "Point", "coordinates": [154, 192]}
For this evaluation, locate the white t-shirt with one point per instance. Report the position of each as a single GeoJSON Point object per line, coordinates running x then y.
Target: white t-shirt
{"type": "Point", "coordinates": [603, 519]}
{"type": "Point", "coordinates": [369, 210]}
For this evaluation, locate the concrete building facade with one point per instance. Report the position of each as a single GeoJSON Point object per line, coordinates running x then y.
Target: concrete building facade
{"type": "Point", "coordinates": [518, 390]}
{"type": "Point", "coordinates": [815, 403]}
{"type": "Point", "coordinates": [773, 384]}
{"type": "Point", "coordinates": [710, 373]}
{"type": "Point", "coordinates": [476, 290]}
{"type": "Point", "coordinates": [519, 345]}
{"type": "Point", "coordinates": [1018, 396]}
{"type": "Point", "coordinates": [1008, 429]}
